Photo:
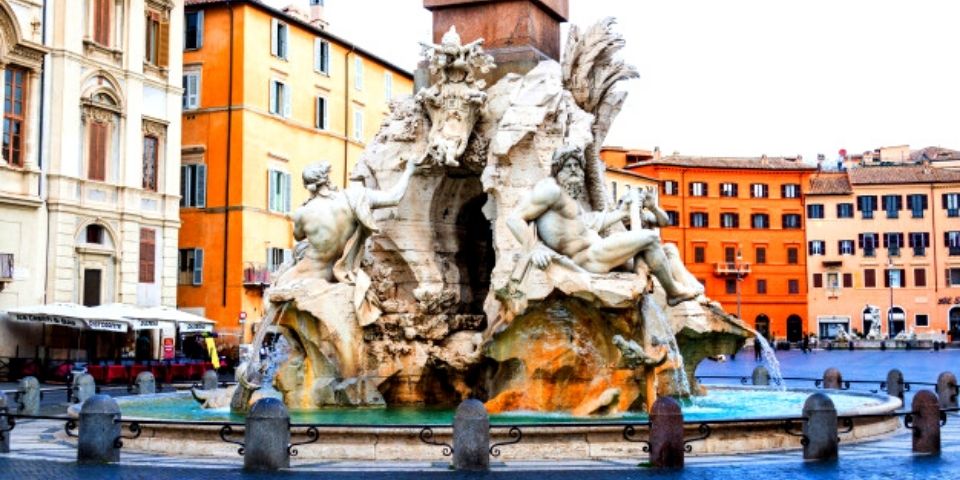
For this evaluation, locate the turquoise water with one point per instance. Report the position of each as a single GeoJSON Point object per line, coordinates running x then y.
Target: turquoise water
{"type": "Point", "coordinates": [719, 404]}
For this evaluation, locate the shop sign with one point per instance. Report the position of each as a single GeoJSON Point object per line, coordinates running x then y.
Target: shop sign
{"type": "Point", "coordinates": [107, 325]}
{"type": "Point", "coordinates": [168, 348]}
{"type": "Point", "coordinates": [948, 301]}
{"type": "Point", "coordinates": [189, 327]}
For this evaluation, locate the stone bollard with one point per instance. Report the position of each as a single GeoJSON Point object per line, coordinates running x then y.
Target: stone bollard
{"type": "Point", "coordinates": [4, 425]}
{"type": "Point", "coordinates": [471, 436]}
{"type": "Point", "coordinates": [267, 436]}
{"type": "Point", "coordinates": [820, 429]}
{"type": "Point", "coordinates": [84, 387]}
{"type": "Point", "coordinates": [211, 381]}
{"type": "Point", "coordinates": [761, 376]}
{"type": "Point", "coordinates": [146, 383]}
{"type": "Point", "coordinates": [895, 384]}
{"type": "Point", "coordinates": [666, 434]}
{"type": "Point", "coordinates": [832, 379]}
{"type": "Point", "coordinates": [28, 396]}
{"type": "Point", "coordinates": [99, 431]}
{"type": "Point", "coordinates": [926, 423]}
{"type": "Point", "coordinates": [947, 390]}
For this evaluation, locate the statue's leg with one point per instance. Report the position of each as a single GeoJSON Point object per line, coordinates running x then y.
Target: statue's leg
{"type": "Point", "coordinates": [614, 250]}
{"type": "Point", "coordinates": [656, 260]}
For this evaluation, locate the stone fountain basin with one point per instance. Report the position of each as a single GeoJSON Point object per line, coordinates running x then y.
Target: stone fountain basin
{"type": "Point", "coordinates": [367, 442]}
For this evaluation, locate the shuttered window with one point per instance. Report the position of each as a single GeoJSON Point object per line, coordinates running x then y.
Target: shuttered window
{"type": "Point", "coordinates": [150, 157]}
{"type": "Point", "coordinates": [279, 191]}
{"type": "Point", "coordinates": [191, 90]}
{"type": "Point", "coordinates": [14, 114]}
{"type": "Point", "coordinates": [817, 280]}
{"type": "Point", "coordinates": [148, 254]}
{"type": "Point", "coordinates": [869, 278]}
{"type": "Point", "coordinates": [97, 150]}
{"type": "Point", "coordinates": [157, 39]}
{"type": "Point", "coordinates": [322, 114]}
{"type": "Point", "coordinates": [321, 56]}
{"type": "Point", "coordinates": [278, 38]}
{"type": "Point", "coordinates": [193, 185]}
{"type": "Point", "coordinates": [919, 277]}
{"type": "Point", "coordinates": [193, 30]}
{"type": "Point", "coordinates": [101, 21]}
{"type": "Point", "coordinates": [190, 266]}
{"type": "Point", "coordinates": [847, 280]}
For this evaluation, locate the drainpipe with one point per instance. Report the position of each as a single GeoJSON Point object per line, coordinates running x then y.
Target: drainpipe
{"type": "Point", "coordinates": [41, 190]}
{"type": "Point", "coordinates": [933, 242]}
{"type": "Point", "coordinates": [226, 203]}
{"type": "Point", "coordinates": [346, 111]}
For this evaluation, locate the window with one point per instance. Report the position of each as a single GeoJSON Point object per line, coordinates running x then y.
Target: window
{"type": "Point", "coordinates": [673, 217]}
{"type": "Point", "coordinates": [790, 190]}
{"type": "Point", "coordinates": [847, 280]}
{"type": "Point", "coordinates": [761, 286]}
{"type": "Point", "coordinates": [792, 256]}
{"type": "Point", "coordinates": [731, 285]}
{"type": "Point", "coordinates": [157, 39]}
{"type": "Point", "coordinates": [101, 21]}
{"type": "Point", "coordinates": [357, 73]}
{"type": "Point", "coordinates": [845, 247]}
{"type": "Point", "coordinates": [151, 155]}
{"type": "Point", "coordinates": [728, 189]}
{"type": "Point", "coordinates": [698, 189]}
{"type": "Point", "coordinates": [759, 190]}
{"type": "Point", "coordinates": [14, 113]}
{"type": "Point", "coordinates": [699, 220]}
{"type": "Point", "coordinates": [278, 38]}
{"type": "Point", "coordinates": [321, 56]}
{"type": "Point", "coordinates": [951, 203]}
{"type": "Point", "coordinates": [193, 30]}
{"type": "Point", "coordinates": [893, 241]}
{"type": "Point", "coordinates": [730, 254]}
{"type": "Point", "coordinates": [279, 98]}
{"type": "Point", "coordinates": [866, 204]}
{"type": "Point", "coordinates": [791, 221]}
{"type": "Point", "coordinates": [917, 204]}
{"type": "Point", "coordinates": [844, 210]}
{"type": "Point", "coordinates": [729, 220]}
{"type": "Point", "coordinates": [277, 257]}
{"type": "Point", "coordinates": [815, 210]}
{"type": "Point", "coordinates": [6, 266]}
{"type": "Point", "coordinates": [817, 247]}
{"type": "Point", "coordinates": [193, 185]}
{"type": "Point", "coordinates": [869, 278]}
{"type": "Point", "coordinates": [761, 256]}
{"type": "Point", "coordinates": [833, 281]}
{"type": "Point", "coordinates": [868, 243]}
{"type": "Point", "coordinates": [191, 266]}
{"type": "Point", "coordinates": [97, 150]}
{"type": "Point", "coordinates": [919, 241]}
{"type": "Point", "coordinates": [893, 278]}
{"type": "Point", "coordinates": [279, 194]}
{"type": "Point", "coordinates": [953, 277]}
{"type": "Point", "coordinates": [322, 114]}
{"type": "Point", "coordinates": [760, 220]}
{"type": "Point", "coordinates": [358, 124]}
{"type": "Point", "coordinates": [921, 320]}
{"type": "Point", "coordinates": [892, 204]}
{"type": "Point", "coordinates": [951, 240]}
{"type": "Point", "coordinates": [793, 286]}
{"type": "Point", "coordinates": [919, 277]}
{"type": "Point", "coordinates": [817, 280]}
{"type": "Point", "coordinates": [95, 234]}
{"type": "Point", "coordinates": [148, 254]}
{"type": "Point", "coordinates": [388, 85]}
{"type": "Point", "coordinates": [670, 187]}
{"type": "Point", "coordinates": [191, 90]}
{"type": "Point", "coordinates": [699, 254]}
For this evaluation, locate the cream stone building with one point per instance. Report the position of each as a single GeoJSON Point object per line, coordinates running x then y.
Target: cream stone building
{"type": "Point", "coordinates": [95, 183]}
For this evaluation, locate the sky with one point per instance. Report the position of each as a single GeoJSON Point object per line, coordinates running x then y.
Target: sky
{"type": "Point", "coordinates": [748, 77]}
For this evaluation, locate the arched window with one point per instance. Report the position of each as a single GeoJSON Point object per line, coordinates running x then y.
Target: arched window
{"type": "Point", "coordinates": [101, 120]}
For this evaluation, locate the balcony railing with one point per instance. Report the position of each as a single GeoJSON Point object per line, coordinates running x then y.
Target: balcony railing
{"type": "Point", "coordinates": [256, 275]}
{"type": "Point", "coordinates": [731, 268]}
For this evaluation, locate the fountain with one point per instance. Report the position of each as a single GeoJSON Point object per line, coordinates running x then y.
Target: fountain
{"type": "Point", "coordinates": [477, 254]}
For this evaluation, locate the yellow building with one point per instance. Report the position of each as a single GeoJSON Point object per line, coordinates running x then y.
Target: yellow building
{"type": "Point", "coordinates": [266, 92]}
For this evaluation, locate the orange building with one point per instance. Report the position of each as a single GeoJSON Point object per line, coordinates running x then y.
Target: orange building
{"type": "Point", "coordinates": [265, 94]}
{"type": "Point", "coordinates": [738, 223]}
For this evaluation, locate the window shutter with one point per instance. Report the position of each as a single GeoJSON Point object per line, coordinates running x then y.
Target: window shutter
{"type": "Point", "coordinates": [287, 98]}
{"type": "Point", "coordinates": [736, 220]}
{"type": "Point", "coordinates": [923, 202]}
{"type": "Point", "coordinates": [325, 50]}
{"type": "Point", "coordinates": [690, 187]}
{"type": "Point", "coordinates": [271, 190]}
{"type": "Point", "coordinates": [919, 277]}
{"type": "Point", "coordinates": [840, 246]}
{"type": "Point", "coordinates": [860, 240]}
{"type": "Point", "coordinates": [286, 192]}
{"type": "Point", "coordinates": [97, 151]}
{"type": "Point", "coordinates": [886, 279]}
{"type": "Point", "coordinates": [197, 266]}
{"type": "Point", "coordinates": [943, 198]}
{"type": "Point", "coordinates": [272, 89]}
{"type": "Point", "coordinates": [869, 278]}
{"type": "Point", "coordinates": [817, 280]}
{"type": "Point", "coordinates": [900, 239]}
{"type": "Point", "coordinates": [200, 35]}
{"type": "Point", "coordinates": [783, 191]}
{"type": "Point", "coordinates": [926, 239]}
{"type": "Point", "coordinates": [910, 240]}
{"type": "Point", "coordinates": [193, 99]}
{"type": "Point", "coordinates": [201, 187]}
{"type": "Point", "coordinates": [847, 280]}
{"type": "Point", "coordinates": [766, 191]}
{"type": "Point", "coordinates": [899, 200]}
{"type": "Point", "coordinates": [810, 248]}
{"type": "Point", "coordinates": [163, 44]}
{"type": "Point", "coordinates": [184, 185]}
{"type": "Point", "coordinates": [274, 29]}
{"type": "Point", "coordinates": [317, 56]}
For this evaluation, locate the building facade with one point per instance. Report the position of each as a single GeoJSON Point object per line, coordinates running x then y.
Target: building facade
{"type": "Point", "coordinates": [738, 223]}
{"type": "Point", "coordinates": [883, 247]}
{"type": "Point", "coordinates": [266, 93]}
{"type": "Point", "coordinates": [620, 179]}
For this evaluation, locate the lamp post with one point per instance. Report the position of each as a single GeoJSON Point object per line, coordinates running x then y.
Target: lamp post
{"type": "Point", "coordinates": [737, 266]}
{"type": "Point", "coordinates": [890, 282]}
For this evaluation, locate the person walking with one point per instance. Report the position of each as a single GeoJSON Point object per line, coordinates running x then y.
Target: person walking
{"type": "Point", "coordinates": [805, 343]}
{"type": "Point", "coordinates": [757, 347]}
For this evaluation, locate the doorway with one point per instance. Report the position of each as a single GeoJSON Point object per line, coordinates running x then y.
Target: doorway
{"type": "Point", "coordinates": [794, 328]}
{"type": "Point", "coordinates": [762, 324]}
{"type": "Point", "coordinates": [92, 279]}
{"type": "Point", "coordinates": [897, 320]}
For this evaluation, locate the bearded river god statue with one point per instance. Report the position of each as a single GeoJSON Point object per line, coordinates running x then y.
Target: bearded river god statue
{"type": "Point", "coordinates": [478, 255]}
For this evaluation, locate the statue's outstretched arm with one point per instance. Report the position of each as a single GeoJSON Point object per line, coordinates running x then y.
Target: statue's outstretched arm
{"type": "Point", "coordinates": [391, 197]}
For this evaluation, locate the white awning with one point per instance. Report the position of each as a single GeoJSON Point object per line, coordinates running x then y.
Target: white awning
{"type": "Point", "coordinates": [70, 315]}
{"type": "Point", "coordinates": [186, 322]}
{"type": "Point", "coordinates": [130, 314]}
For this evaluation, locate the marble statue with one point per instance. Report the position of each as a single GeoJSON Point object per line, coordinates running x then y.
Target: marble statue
{"type": "Point", "coordinates": [567, 234]}
{"type": "Point", "coordinates": [454, 102]}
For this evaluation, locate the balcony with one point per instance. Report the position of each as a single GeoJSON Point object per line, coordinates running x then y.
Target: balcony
{"type": "Point", "coordinates": [256, 275]}
{"type": "Point", "coordinates": [736, 269]}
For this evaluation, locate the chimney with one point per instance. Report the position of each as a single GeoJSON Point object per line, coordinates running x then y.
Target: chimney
{"type": "Point", "coordinates": [316, 14]}
{"type": "Point", "coordinates": [656, 153]}
{"type": "Point", "coordinates": [764, 160]}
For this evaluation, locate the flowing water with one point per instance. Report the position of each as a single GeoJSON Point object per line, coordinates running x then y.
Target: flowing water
{"type": "Point", "coordinates": [654, 315]}
{"type": "Point", "coordinates": [770, 358]}
{"type": "Point", "coordinates": [276, 355]}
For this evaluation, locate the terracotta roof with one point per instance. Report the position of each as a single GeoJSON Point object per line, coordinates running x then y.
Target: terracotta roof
{"type": "Point", "coordinates": [902, 174]}
{"type": "Point", "coordinates": [303, 24]}
{"type": "Point", "coordinates": [934, 154]}
{"type": "Point", "coordinates": [747, 163]}
{"type": "Point", "coordinates": [632, 173]}
{"type": "Point", "coordinates": [830, 184]}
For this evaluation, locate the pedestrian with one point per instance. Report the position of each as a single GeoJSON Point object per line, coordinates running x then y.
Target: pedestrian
{"type": "Point", "coordinates": [805, 344]}
{"type": "Point", "coordinates": [757, 349]}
